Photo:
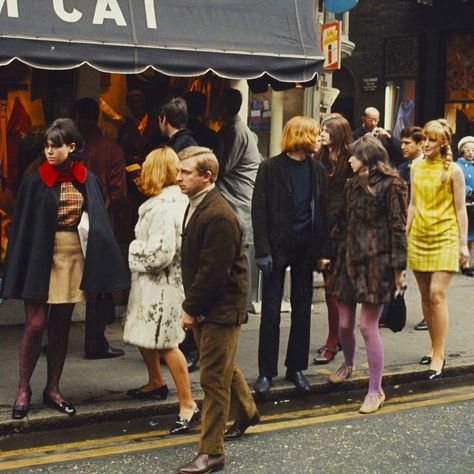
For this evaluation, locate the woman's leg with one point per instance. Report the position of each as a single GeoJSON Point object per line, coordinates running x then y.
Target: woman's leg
{"type": "Point", "coordinates": [369, 327]}
{"type": "Point", "coordinates": [30, 347]}
{"type": "Point", "coordinates": [438, 325]}
{"type": "Point", "coordinates": [423, 279]}
{"type": "Point", "coordinates": [58, 337]}
{"type": "Point", "coordinates": [155, 375]}
{"type": "Point", "coordinates": [347, 331]}
{"type": "Point", "coordinates": [333, 316]}
{"type": "Point", "coordinates": [176, 363]}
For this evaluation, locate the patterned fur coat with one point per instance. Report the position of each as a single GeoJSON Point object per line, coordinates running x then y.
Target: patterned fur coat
{"type": "Point", "coordinates": [154, 306]}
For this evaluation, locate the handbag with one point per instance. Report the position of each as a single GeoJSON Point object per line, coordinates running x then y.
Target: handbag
{"type": "Point", "coordinates": [396, 316]}
{"type": "Point", "coordinates": [104, 308]}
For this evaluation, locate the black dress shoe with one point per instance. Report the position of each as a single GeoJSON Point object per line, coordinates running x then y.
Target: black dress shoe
{"type": "Point", "coordinates": [183, 425]}
{"type": "Point", "coordinates": [139, 393]}
{"type": "Point", "coordinates": [435, 374]}
{"type": "Point", "coordinates": [425, 360]}
{"type": "Point", "coordinates": [203, 464]}
{"type": "Point", "coordinates": [108, 353]}
{"type": "Point", "coordinates": [63, 407]}
{"type": "Point", "coordinates": [20, 411]}
{"type": "Point", "coordinates": [238, 429]}
{"type": "Point", "coordinates": [192, 360]}
{"type": "Point", "coordinates": [262, 385]}
{"type": "Point", "coordinates": [300, 381]}
{"type": "Point", "coordinates": [422, 326]}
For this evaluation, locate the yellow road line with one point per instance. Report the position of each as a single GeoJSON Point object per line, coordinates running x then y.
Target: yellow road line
{"type": "Point", "coordinates": [154, 434]}
{"type": "Point", "coordinates": [168, 442]}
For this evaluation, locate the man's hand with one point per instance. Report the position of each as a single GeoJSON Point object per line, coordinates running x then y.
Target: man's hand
{"type": "Point", "coordinates": [265, 264]}
{"type": "Point", "coordinates": [188, 322]}
{"type": "Point", "coordinates": [381, 132]}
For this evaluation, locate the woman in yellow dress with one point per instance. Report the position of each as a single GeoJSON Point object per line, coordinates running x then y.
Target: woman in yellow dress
{"type": "Point", "coordinates": [437, 234]}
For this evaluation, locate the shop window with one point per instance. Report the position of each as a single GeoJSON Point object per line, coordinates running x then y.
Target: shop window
{"type": "Point", "coordinates": [459, 92]}
{"type": "Point", "coordinates": [262, 106]}
{"type": "Point", "coordinates": [400, 99]}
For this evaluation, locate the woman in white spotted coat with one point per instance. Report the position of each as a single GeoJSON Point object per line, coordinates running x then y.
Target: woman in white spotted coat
{"type": "Point", "coordinates": [152, 320]}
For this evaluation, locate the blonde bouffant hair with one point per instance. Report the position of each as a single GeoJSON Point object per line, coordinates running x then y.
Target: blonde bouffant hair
{"type": "Point", "coordinates": [441, 131]}
{"type": "Point", "coordinates": [300, 134]}
{"type": "Point", "coordinates": [159, 170]}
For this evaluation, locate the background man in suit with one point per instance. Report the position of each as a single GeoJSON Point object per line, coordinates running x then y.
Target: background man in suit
{"type": "Point", "coordinates": [370, 121]}
{"type": "Point", "coordinates": [215, 305]}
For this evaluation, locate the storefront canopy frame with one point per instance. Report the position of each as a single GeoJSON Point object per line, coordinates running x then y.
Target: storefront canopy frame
{"type": "Point", "coordinates": [236, 39]}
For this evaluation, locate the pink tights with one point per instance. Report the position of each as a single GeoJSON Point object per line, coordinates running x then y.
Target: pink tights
{"type": "Point", "coordinates": [30, 347]}
{"type": "Point", "coordinates": [369, 327]}
{"type": "Point", "coordinates": [333, 315]}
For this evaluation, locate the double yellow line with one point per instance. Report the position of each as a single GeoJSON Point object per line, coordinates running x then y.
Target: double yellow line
{"type": "Point", "coordinates": [76, 451]}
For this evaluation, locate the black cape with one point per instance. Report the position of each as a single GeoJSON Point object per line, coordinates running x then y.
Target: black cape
{"type": "Point", "coordinates": [30, 249]}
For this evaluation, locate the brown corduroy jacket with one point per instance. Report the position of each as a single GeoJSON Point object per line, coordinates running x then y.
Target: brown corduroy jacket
{"type": "Point", "coordinates": [213, 264]}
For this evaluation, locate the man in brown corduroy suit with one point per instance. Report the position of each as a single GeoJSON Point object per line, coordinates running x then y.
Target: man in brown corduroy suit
{"type": "Point", "coordinates": [215, 305]}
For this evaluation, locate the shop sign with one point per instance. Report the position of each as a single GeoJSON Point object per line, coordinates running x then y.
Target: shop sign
{"type": "Point", "coordinates": [370, 84]}
{"type": "Point", "coordinates": [95, 12]}
{"type": "Point", "coordinates": [331, 45]}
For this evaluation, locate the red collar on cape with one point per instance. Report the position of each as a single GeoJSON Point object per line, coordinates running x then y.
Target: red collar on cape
{"type": "Point", "coordinates": [51, 175]}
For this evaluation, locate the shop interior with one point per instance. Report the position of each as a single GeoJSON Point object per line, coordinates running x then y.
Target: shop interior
{"type": "Point", "coordinates": [31, 98]}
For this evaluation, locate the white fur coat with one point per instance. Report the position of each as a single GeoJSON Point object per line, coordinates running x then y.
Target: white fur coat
{"type": "Point", "coordinates": [154, 309]}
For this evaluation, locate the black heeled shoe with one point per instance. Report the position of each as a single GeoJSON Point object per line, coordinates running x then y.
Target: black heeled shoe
{"type": "Point", "coordinates": [63, 407]}
{"type": "Point", "coordinates": [160, 392]}
{"type": "Point", "coordinates": [434, 374]}
{"type": "Point", "coordinates": [20, 411]}
{"type": "Point", "coordinates": [183, 425]}
{"type": "Point", "coordinates": [425, 360]}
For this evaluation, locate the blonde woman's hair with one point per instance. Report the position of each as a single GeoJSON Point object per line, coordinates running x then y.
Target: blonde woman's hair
{"type": "Point", "coordinates": [159, 170]}
{"type": "Point", "coordinates": [300, 134]}
{"type": "Point", "coordinates": [442, 132]}
{"type": "Point", "coordinates": [204, 158]}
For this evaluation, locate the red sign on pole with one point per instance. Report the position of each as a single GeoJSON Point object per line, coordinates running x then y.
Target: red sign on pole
{"type": "Point", "coordinates": [331, 45]}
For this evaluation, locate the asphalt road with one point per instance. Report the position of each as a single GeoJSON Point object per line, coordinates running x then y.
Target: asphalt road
{"type": "Point", "coordinates": [422, 428]}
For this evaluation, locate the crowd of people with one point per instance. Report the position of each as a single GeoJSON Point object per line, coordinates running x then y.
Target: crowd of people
{"type": "Point", "coordinates": [339, 202]}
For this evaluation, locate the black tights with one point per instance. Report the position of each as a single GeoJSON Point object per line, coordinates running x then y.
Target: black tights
{"type": "Point", "coordinates": [30, 346]}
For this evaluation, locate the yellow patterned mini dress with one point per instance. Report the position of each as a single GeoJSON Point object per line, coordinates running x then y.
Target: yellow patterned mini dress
{"type": "Point", "coordinates": [433, 242]}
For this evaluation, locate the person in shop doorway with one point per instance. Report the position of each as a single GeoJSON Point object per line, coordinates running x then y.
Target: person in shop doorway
{"type": "Point", "coordinates": [215, 289]}
{"type": "Point", "coordinates": [172, 120]}
{"type": "Point", "coordinates": [203, 135]}
{"type": "Point", "coordinates": [237, 171]}
{"type": "Point", "coordinates": [139, 135]}
{"type": "Point", "coordinates": [106, 159]}
{"type": "Point", "coordinates": [370, 120]}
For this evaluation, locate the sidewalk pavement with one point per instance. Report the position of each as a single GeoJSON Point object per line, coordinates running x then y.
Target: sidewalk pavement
{"type": "Point", "coordinates": [97, 387]}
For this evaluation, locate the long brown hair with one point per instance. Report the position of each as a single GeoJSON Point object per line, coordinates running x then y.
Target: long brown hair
{"type": "Point", "coordinates": [336, 159]}
{"type": "Point", "coordinates": [374, 159]}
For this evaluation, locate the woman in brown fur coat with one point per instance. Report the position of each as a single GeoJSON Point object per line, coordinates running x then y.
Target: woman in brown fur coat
{"type": "Point", "coordinates": [371, 257]}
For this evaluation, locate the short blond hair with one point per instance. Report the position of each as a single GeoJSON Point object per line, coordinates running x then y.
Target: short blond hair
{"type": "Point", "coordinates": [205, 160]}
{"type": "Point", "coordinates": [159, 170]}
{"type": "Point", "coordinates": [300, 134]}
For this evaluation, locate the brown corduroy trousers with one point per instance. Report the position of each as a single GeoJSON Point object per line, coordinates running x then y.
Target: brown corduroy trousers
{"type": "Point", "coordinates": [225, 388]}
